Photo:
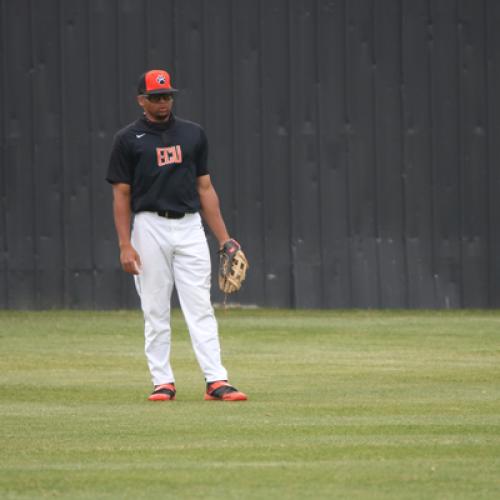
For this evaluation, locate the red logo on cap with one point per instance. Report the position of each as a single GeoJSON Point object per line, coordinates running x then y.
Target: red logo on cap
{"type": "Point", "coordinates": [157, 79]}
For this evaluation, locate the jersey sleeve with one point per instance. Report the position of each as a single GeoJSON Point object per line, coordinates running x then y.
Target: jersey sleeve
{"type": "Point", "coordinates": [120, 167]}
{"type": "Point", "coordinates": [202, 156]}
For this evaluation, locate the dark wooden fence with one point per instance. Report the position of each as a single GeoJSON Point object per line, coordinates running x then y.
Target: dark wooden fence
{"type": "Point", "coordinates": [354, 144]}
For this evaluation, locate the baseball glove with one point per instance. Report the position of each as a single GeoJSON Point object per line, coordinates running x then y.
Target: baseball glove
{"type": "Point", "coordinates": [233, 267]}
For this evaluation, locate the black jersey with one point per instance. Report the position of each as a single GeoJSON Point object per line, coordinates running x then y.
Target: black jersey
{"type": "Point", "coordinates": [161, 162]}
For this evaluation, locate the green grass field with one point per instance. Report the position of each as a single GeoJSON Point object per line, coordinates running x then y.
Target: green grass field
{"type": "Point", "coordinates": [357, 404]}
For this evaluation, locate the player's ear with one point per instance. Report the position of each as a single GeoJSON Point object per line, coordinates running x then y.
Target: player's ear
{"type": "Point", "coordinates": [140, 100]}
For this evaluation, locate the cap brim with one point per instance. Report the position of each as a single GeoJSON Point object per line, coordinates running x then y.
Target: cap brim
{"type": "Point", "coordinates": [171, 90]}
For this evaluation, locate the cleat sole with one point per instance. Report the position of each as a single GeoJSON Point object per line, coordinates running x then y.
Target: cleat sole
{"type": "Point", "coordinates": [160, 397]}
{"type": "Point", "coordinates": [231, 396]}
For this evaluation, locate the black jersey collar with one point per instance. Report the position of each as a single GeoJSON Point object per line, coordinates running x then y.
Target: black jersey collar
{"type": "Point", "coordinates": [157, 126]}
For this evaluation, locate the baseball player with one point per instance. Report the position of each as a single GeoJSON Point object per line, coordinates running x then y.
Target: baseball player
{"type": "Point", "coordinates": [158, 170]}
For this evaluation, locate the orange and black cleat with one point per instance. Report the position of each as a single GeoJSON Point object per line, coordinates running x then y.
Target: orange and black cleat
{"type": "Point", "coordinates": [221, 390]}
{"type": "Point", "coordinates": [163, 392]}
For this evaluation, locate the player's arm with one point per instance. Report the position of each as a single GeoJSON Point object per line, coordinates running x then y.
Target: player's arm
{"type": "Point", "coordinates": [210, 209]}
{"type": "Point", "coordinates": [122, 213]}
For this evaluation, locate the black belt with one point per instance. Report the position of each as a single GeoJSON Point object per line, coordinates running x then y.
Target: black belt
{"type": "Point", "coordinates": [171, 214]}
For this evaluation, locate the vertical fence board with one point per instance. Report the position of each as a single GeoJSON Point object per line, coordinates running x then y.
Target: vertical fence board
{"type": "Point", "coordinates": [74, 88]}
{"type": "Point", "coordinates": [4, 48]}
{"type": "Point", "coordinates": [275, 157]}
{"type": "Point", "coordinates": [492, 15]}
{"type": "Point", "coordinates": [388, 154]}
{"type": "Point", "coordinates": [330, 52]}
{"type": "Point", "coordinates": [445, 148]}
{"type": "Point", "coordinates": [417, 154]}
{"type": "Point", "coordinates": [48, 193]}
{"type": "Point", "coordinates": [304, 162]}
{"type": "Point", "coordinates": [474, 168]}
{"type": "Point", "coordinates": [362, 164]}
{"type": "Point", "coordinates": [20, 227]}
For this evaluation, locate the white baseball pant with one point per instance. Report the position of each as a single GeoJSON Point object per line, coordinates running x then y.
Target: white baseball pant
{"type": "Point", "coordinates": [176, 251]}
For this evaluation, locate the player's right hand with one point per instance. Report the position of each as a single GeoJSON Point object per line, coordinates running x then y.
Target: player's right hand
{"type": "Point", "coordinates": [130, 260]}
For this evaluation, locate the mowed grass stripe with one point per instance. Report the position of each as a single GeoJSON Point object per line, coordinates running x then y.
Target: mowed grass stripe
{"type": "Point", "coordinates": [343, 404]}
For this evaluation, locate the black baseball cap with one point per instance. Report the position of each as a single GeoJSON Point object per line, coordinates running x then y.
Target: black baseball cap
{"type": "Point", "coordinates": [155, 81]}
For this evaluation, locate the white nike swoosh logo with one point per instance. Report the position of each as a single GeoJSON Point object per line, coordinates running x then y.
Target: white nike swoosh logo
{"type": "Point", "coordinates": [140, 135]}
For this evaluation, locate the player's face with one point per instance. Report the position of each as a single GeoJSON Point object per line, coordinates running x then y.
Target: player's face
{"type": "Point", "coordinates": [157, 107]}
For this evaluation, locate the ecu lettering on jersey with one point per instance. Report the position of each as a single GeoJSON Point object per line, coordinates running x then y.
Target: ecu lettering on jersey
{"type": "Point", "coordinates": [169, 155]}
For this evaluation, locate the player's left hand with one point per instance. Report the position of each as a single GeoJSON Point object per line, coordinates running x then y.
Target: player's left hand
{"type": "Point", "coordinates": [233, 266]}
